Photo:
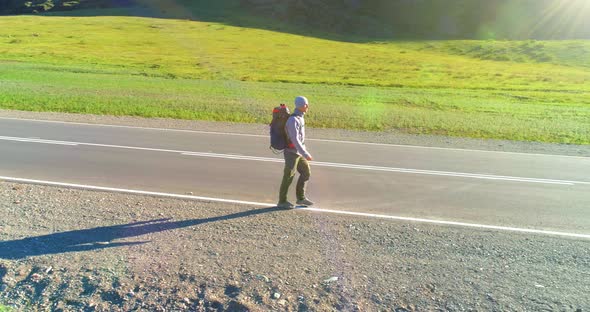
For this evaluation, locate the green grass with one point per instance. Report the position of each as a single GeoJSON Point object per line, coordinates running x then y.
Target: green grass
{"type": "Point", "coordinates": [4, 308]}
{"type": "Point", "coordinates": [575, 53]}
{"type": "Point", "coordinates": [538, 91]}
{"type": "Point", "coordinates": [201, 50]}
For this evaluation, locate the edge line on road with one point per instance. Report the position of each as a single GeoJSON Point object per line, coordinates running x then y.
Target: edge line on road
{"type": "Point", "coordinates": [312, 209]}
{"type": "Point", "coordinates": [309, 139]}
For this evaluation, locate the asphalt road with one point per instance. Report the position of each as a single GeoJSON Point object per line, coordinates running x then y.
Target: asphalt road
{"type": "Point", "coordinates": [545, 192]}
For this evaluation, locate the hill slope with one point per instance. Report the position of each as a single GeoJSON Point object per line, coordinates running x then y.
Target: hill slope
{"type": "Point", "coordinates": [119, 65]}
{"type": "Point", "coordinates": [204, 50]}
{"type": "Point", "coordinates": [425, 19]}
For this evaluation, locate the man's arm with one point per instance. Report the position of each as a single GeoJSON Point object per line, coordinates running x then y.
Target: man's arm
{"type": "Point", "coordinates": [293, 133]}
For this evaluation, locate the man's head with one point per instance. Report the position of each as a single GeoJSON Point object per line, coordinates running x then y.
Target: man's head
{"type": "Point", "coordinates": [301, 103]}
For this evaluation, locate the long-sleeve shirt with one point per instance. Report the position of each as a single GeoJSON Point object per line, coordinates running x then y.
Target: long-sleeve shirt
{"type": "Point", "coordinates": [296, 131]}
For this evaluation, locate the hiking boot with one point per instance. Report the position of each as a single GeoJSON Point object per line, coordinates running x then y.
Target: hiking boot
{"type": "Point", "coordinates": [304, 202]}
{"type": "Point", "coordinates": [285, 205]}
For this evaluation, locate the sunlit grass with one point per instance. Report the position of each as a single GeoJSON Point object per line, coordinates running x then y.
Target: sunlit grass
{"type": "Point", "coordinates": [200, 70]}
{"type": "Point", "coordinates": [191, 49]}
{"type": "Point", "coordinates": [574, 53]}
{"type": "Point", "coordinates": [523, 115]}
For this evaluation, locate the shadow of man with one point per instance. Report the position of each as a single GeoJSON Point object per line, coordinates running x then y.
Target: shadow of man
{"type": "Point", "coordinates": [102, 237]}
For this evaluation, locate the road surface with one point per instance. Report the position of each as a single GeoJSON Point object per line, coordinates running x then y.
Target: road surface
{"type": "Point", "coordinates": [531, 191]}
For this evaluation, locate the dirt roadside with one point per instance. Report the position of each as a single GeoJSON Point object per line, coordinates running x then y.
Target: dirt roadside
{"type": "Point", "coordinates": [77, 250]}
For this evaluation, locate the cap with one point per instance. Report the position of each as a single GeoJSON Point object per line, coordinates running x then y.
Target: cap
{"type": "Point", "coordinates": [300, 101]}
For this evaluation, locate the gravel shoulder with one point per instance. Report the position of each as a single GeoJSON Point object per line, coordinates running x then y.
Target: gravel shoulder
{"type": "Point", "coordinates": [77, 250]}
{"type": "Point", "coordinates": [72, 250]}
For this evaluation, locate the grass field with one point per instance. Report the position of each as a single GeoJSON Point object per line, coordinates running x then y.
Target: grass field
{"type": "Point", "coordinates": [521, 90]}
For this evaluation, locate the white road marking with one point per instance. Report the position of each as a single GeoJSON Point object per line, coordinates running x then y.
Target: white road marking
{"type": "Point", "coordinates": [120, 190]}
{"type": "Point", "coordinates": [317, 210]}
{"type": "Point", "coordinates": [308, 139]}
{"type": "Point", "coordinates": [399, 170]}
{"type": "Point", "coordinates": [35, 140]}
{"type": "Point", "coordinates": [443, 222]}
{"type": "Point", "coordinates": [315, 163]}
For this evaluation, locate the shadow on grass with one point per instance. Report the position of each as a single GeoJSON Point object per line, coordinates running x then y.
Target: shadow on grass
{"type": "Point", "coordinates": [228, 12]}
{"type": "Point", "coordinates": [102, 237]}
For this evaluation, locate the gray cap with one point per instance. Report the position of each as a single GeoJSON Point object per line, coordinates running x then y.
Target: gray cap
{"type": "Point", "coordinates": [300, 101]}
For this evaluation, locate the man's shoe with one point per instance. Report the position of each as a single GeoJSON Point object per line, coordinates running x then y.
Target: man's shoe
{"type": "Point", "coordinates": [285, 205]}
{"type": "Point", "coordinates": [304, 202]}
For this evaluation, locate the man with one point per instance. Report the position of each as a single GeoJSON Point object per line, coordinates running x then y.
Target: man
{"type": "Point", "coordinates": [296, 157]}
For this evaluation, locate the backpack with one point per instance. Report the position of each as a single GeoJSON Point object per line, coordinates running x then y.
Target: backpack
{"type": "Point", "coordinates": [278, 135]}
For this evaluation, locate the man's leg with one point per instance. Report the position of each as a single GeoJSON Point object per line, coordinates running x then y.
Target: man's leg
{"type": "Point", "coordinates": [291, 160]}
{"type": "Point", "coordinates": [304, 174]}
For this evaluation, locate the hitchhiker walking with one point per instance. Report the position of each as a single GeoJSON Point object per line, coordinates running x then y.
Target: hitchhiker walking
{"type": "Point", "coordinates": [296, 157]}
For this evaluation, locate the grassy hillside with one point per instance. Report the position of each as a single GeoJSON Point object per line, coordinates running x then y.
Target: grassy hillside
{"type": "Point", "coordinates": [202, 50]}
{"type": "Point", "coordinates": [567, 53]}
{"type": "Point", "coordinates": [392, 19]}
{"type": "Point", "coordinates": [527, 90]}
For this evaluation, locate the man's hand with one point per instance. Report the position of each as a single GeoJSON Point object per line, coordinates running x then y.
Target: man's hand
{"type": "Point", "coordinates": [309, 158]}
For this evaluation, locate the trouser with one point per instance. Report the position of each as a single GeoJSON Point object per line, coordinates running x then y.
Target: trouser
{"type": "Point", "coordinates": [292, 162]}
